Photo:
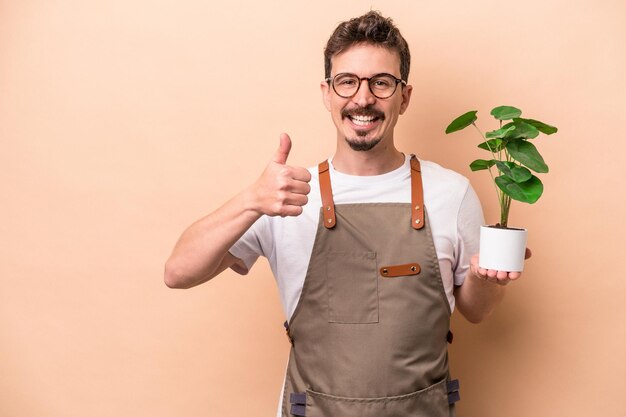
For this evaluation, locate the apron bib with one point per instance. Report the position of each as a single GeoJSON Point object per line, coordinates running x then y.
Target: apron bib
{"type": "Point", "coordinates": [370, 331]}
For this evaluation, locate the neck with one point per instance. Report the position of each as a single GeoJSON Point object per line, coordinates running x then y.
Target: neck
{"type": "Point", "coordinates": [379, 160]}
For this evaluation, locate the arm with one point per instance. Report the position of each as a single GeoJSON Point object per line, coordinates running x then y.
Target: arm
{"type": "Point", "coordinates": [482, 290]}
{"type": "Point", "coordinates": [201, 252]}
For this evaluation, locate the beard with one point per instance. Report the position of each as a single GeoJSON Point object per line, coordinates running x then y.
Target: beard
{"type": "Point", "coordinates": [360, 143]}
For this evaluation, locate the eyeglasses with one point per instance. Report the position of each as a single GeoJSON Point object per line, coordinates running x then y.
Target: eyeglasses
{"type": "Point", "coordinates": [382, 86]}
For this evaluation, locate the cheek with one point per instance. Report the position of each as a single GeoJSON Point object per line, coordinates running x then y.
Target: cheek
{"type": "Point", "coordinates": [397, 109]}
{"type": "Point", "coordinates": [336, 108]}
{"type": "Point", "coordinates": [390, 112]}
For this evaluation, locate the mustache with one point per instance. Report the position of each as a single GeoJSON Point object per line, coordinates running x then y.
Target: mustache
{"type": "Point", "coordinates": [363, 111]}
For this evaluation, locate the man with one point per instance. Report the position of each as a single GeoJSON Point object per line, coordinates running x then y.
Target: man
{"type": "Point", "coordinates": [371, 250]}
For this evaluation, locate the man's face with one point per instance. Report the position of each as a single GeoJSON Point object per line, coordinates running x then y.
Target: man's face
{"type": "Point", "coordinates": [364, 120]}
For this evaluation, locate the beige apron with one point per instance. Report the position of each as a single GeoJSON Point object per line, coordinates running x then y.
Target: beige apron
{"type": "Point", "coordinates": [369, 334]}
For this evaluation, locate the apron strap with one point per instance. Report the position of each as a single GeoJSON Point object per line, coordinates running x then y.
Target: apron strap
{"type": "Point", "coordinates": [328, 205]}
{"type": "Point", "coordinates": [417, 194]}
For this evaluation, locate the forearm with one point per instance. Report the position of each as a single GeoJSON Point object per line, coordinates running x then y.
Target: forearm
{"type": "Point", "coordinates": [200, 250]}
{"type": "Point", "coordinates": [477, 297]}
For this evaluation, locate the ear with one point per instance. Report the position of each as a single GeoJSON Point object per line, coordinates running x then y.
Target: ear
{"type": "Point", "coordinates": [406, 98]}
{"type": "Point", "coordinates": [325, 94]}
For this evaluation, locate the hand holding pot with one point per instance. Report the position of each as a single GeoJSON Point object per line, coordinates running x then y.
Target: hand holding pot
{"type": "Point", "coordinates": [497, 277]}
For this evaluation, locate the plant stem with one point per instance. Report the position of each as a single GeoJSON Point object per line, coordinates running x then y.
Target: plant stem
{"type": "Point", "coordinates": [493, 180]}
{"type": "Point", "coordinates": [505, 200]}
{"type": "Point", "coordinates": [486, 141]}
{"type": "Point", "coordinates": [505, 205]}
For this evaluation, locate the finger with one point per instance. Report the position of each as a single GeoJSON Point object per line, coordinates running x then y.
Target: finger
{"type": "Point", "coordinates": [502, 274]}
{"type": "Point", "coordinates": [300, 174]}
{"type": "Point", "coordinates": [482, 272]}
{"type": "Point", "coordinates": [299, 187]}
{"type": "Point", "coordinates": [280, 157]}
{"type": "Point", "coordinates": [528, 253]}
{"type": "Point", "coordinates": [514, 275]}
{"type": "Point", "coordinates": [291, 211]}
{"type": "Point", "coordinates": [293, 199]}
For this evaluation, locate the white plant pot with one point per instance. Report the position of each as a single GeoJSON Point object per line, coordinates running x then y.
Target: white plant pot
{"type": "Point", "coordinates": [502, 249]}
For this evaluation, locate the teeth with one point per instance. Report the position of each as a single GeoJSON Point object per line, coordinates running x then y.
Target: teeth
{"type": "Point", "coordinates": [362, 120]}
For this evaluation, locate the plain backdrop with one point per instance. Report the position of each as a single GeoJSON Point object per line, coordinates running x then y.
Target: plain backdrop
{"type": "Point", "coordinates": [121, 122]}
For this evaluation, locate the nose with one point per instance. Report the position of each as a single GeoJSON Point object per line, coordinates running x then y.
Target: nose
{"type": "Point", "coordinates": [364, 96]}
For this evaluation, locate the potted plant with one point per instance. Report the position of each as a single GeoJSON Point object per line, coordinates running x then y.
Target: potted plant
{"type": "Point", "coordinates": [514, 157]}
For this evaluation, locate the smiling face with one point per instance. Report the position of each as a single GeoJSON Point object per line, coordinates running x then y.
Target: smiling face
{"type": "Point", "coordinates": [365, 121]}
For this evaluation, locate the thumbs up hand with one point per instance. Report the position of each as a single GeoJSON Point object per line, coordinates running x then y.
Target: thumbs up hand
{"type": "Point", "coordinates": [282, 189]}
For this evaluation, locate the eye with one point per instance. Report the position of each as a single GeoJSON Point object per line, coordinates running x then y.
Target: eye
{"type": "Point", "coordinates": [346, 81]}
{"type": "Point", "coordinates": [382, 82]}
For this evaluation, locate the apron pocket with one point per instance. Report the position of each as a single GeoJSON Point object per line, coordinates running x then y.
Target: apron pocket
{"type": "Point", "coordinates": [428, 402]}
{"type": "Point", "coordinates": [352, 287]}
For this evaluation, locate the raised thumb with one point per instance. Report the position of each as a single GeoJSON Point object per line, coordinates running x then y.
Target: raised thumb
{"type": "Point", "coordinates": [280, 157]}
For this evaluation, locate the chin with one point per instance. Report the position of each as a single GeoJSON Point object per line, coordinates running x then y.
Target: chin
{"type": "Point", "coordinates": [362, 145]}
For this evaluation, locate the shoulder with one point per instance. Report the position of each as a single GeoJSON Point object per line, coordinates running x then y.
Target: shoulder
{"type": "Point", "coordinates": [447, 193]}
{"type": "Point", "coordinates": [437, 177]}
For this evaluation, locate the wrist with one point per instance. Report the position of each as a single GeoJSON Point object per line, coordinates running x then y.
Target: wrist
{"type": "Point", "coordinates": [251, 203]}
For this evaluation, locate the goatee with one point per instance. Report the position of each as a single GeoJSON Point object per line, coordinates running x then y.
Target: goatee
{"type": "Point", "coordinates": [362, 146]}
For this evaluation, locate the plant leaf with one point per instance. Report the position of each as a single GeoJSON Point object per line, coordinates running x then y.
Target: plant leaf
{"type": "Point", "coordinates": [462, 121]}
{"type": "Point", "coordinates": [528, 191]}
{"type": "Point", "coordinates": [480, 164]}
{"type": "Point", "coordinates": [522, 130]}
{"type": "Point", "coordinates": [513, 171]}
{"type": "Point", "coordinates": [493, 145]}
{"type": "Point", "coordinates": [506, 112]}
{"type": "Point", "coordinates": [541, 126]}
{"type": "Point", "coordinates": [502, 132]}
{"type": "Point", "coordinates": [526, 153]}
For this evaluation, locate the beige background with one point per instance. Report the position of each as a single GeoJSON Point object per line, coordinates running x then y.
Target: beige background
{"type": "Point", "coordinates": [123, 121]}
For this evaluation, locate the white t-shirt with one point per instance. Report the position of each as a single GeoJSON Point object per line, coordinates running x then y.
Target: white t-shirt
{"type": "Point", "coordinates": [454, 213]}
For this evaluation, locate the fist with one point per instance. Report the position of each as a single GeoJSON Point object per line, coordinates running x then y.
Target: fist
{"type": "Point", "coordinates": [282, 189]}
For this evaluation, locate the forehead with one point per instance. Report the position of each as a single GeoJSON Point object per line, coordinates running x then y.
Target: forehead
{"type": "Point", "coordinates": [366, 60]}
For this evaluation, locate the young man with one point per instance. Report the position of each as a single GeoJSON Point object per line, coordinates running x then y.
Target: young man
{"type": "Point", "coordinates": [371, 250]}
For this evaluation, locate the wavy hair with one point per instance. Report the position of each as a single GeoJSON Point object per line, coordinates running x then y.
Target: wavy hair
{"type": "Point", "coordinates": [371, 28]}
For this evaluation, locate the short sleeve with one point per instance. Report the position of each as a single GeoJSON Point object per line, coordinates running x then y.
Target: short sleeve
{"type": "Point", "coordinates": [469, 219]}
{"type": "Point", "coordinates": [250, 246]}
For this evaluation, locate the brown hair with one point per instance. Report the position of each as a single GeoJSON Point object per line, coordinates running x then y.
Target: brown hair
{"type": "Point", "coordinates": [371, 28]}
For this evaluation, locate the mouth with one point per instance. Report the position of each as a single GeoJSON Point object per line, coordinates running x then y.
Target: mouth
{"type": "Point", "coordinates": [363, 121]}
{"type": "Point", "coordinates": [363, 118]}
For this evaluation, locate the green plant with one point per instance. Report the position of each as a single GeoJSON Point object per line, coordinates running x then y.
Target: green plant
{"type": "Point", "coordinates": [513, 155]}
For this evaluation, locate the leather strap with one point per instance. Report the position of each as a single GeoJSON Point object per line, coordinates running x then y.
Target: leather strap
{"type": "Point", "coordinates": [417, 194]}
{"type": "Point", "coordinates": [328, 205]}
{"type": "Point", "coordinates": [400, 270]}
